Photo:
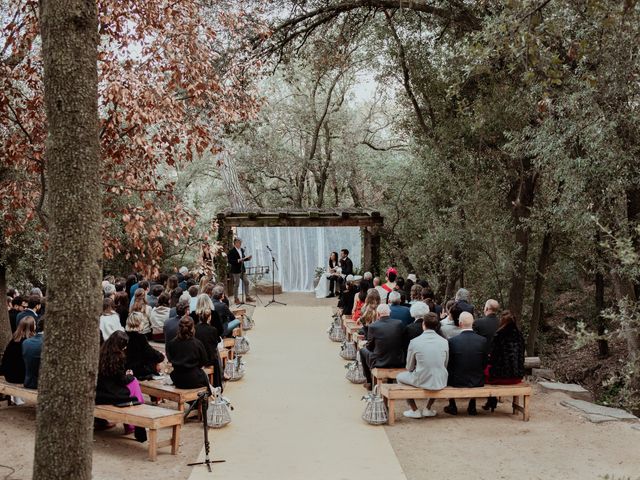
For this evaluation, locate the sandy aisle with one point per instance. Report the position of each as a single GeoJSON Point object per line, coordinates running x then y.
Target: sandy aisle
{"type": "Point", "coordinates": [296, 417]}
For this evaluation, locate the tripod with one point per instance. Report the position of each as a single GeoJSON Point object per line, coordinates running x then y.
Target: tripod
{"type": "Point", "coordinates": [274, 266]}
{"type": "Point", "coordinates": [203, 402]}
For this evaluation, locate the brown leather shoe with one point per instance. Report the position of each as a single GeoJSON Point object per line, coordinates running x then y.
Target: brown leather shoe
{"type": "Point", "coordinates": [236, 300]}
{"type": "Point", "coordinates": [250, 299]}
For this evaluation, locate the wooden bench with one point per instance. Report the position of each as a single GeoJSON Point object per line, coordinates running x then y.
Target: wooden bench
{"type": "Point", "coordinates": [156, 388]}
{"type": "Point", "coordinates": [147, 416]}
{"type": "Point", "coordinates": [392, 392]}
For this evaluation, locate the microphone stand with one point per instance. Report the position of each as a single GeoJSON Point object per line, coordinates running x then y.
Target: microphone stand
{"type": "Point", "coordinates": [203, 402]}
{"type": "Point", "coordinates": [274, 266]}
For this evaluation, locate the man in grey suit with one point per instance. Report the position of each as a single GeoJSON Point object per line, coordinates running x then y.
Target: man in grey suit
{"type": "Point", "coordinates": [487, 325]}
{"type": "Point", "coordinates": [427, 361]}
{"type": "Point", "coordinates": [385, 344]}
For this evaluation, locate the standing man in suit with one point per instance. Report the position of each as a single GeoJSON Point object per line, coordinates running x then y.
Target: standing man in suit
{"type": "Point", "coordinates": [385, 344]}
{"type": "Point", "coordinates": [346, 267]}
{"type": "Point", "coordinates": [237, 258]}
{"type": "Point", "coordinates": [487, 325]}
{"type": "Point", "coordinates": [467, 360]}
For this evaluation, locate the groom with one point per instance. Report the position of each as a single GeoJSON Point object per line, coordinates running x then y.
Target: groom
{"type": "Point", "coordinates": [346, 265]}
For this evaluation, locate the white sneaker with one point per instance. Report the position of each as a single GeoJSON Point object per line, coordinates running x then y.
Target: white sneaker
{"type": "Point", "coordinates": [428, 413]}
{"type": "Point", "coordinates": [412, 414]}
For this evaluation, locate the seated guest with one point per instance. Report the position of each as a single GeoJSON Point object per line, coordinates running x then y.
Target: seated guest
{"type": "Point", "coordinates": [170, 328]}
{"type": "Point", "coordinates": [467, 361]}
{"type": "Point", "coordinates": [450, 325]}
{"type": "Point", "coordinates": [487, 325]}
{"type": "Point", "coordinates": [142, 358]}
{"type": "Point", "coordinates": [121, 305]}
{"type": "Point", "coordinates": [347, 296]}
{"type": "Point", "coordinates": [116, 385]}
{"type": "Point", "coordinates": [159, 315]}
{"type": "Point", "coordinates": [175, 297]}
{"type": "Point", "coordinates": [385, 344]}
{"type": "Point", "coordinates": [427, 360]}
{"type": "Point", "coordinates": [376, 282]}
{"type": "Point", "coordinates": [462, 299]}
{"type": "Point", "coordinates": [32, 309]}
{"type": "Point", "coordinates": [356, 313]}
{"type": "Point", "coordinates": [172, 284]}
{"type": "Point", "coordinates": [140, 305]}
{"type": "Point", "coordinates": [12, 366]}
{"type": "Point", "coordinates": [398, 311]}
{"type": "Point", "coordinates": [506, 360]}
{"type": "Point", "coordinates": [416, 294]}
{"type": "Point", "coordinates": [210, 338]}
{"type": "Point", "coordinates": [144, 285]}
{"type": "Point", "coordinates": [389, 286]}
{"type": "Point", "coordinates": [369, 310]}
{"type": "Point", "coordinates": [154, 294]}
{"type": "Point", "coordinates": [206, 310]}
{"type": "Point", "coordinates": [193, 292]}
{"type": "Point", "coordinates": [109, 320]}
{"type": "Point", "coordinates": [183, 276]}
{"type": "Point", "coordinates": [17, 306]}
{"type": "Point", "coordinates": [228, 320]}
{"type": "Point", "coordinates": [109, 290]}
{"type": "Point", "coordinates": [187, 356]}
{"type": "Point", "coordinates": [31, 354]}
{"type": "Point", "coordinates": [418, 311]}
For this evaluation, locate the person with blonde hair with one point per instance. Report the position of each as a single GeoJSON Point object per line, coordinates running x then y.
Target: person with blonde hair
{"type": "Point", "coordinates": [142, 358]}
{"type": "Point", "coordinates": [369, 315]}
{"type": "Point", "coordinates": [140, 305]}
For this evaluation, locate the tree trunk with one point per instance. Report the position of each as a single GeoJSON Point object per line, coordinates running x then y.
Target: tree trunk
{"type": "Point", "coordinates": [5, 327]}
{"type": "Point", "coordinates": [64, 430]}
{"type": "Point", "coordinates": [541, 273]}
{"type": "Point", "coordinates": [229, 173]}
{"type": "Point", "coordinates": [625, 290]}
{"type": "Point", "coordinates": [603, 345]}
{"type": "Point", "coordinates": [523, 201]}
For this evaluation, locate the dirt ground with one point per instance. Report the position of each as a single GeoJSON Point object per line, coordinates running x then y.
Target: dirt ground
{"type": "Point", "coordinates": [556, 444]}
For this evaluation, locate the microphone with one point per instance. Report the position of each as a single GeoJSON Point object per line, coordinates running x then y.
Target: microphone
{"type": "Point", "coordinates": [268, 248]}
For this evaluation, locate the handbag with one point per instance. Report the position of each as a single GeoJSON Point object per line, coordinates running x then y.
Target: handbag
{"type": "Point", "coordinates": [336, 334]}
{"type": "Point", "coordinates": [354, 372]}
{"type": "Point", "coordinates": [234, 370]}
{"type": "Point", "coordinates": [247, 322]}
{"type": "Point", "coordinates": [218, 411]}
{"type": "Point", "coordinates": [241, 345]}
{"type": "Point", "coordinates": [348, 350]}
{"type": "Point", "coordinates": [375, 411]}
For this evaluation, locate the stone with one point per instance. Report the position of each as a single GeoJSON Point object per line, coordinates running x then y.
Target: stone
{"type": "Point", "coordinates": [636, 427]}
{"type": "Point", "coordinates": [544, 373]}
{"type": "Point", "coordinates": [594, 418]}
{"type": "Point", "coordinates": [597, 411]}
{"type": "Point", "coordinates": [571, 389]}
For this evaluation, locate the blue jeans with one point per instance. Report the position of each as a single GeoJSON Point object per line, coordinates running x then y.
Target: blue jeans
{"type": "Point", "coordinates": [230, 326]}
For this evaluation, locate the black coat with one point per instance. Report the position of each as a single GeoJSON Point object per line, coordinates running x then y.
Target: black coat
{"type": "Point", "coordinates": [142, 358]}
{"type": "Point", "coordinates": [507, 353]}
{"type": "Point", "coordinates": [12, 366]}
{"type": "Point", "coordinates": [113, 389]}
{"type": "Point", "coordinates": [412, 331]}
{"type": "Point", "coordinates": [234, 264]}
{"type": "Point", "coordinates": [13, 319]}
{"type": "Point", "coordinates": [187, 358]}
{"type": "Point", "coordinates": [347, 266]}
{"type": "Point", "coordinates": [467, 359]}
{"type": "Point", "coordinates": [347, 299]}
{"type": "Point", "coordinates": [385, 341]}
{"type": "Point", "coordinates": [224, 316]}
{"type": "Point", "coordinates": [486, 326]}
{"type": "Point", "coordinates": [210, 338]}
{"type": "Point", "coordinates": [465, 307]}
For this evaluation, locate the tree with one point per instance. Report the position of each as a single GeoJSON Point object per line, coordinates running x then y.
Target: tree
{"type": "Point", "coordinates": [74, 265]}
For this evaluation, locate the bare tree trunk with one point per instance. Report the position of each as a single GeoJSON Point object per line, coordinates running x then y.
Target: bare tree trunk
{"type": "Point", "coordinates": [541, 273]}
{"type": "Point", "coordinates": [625, 290]}
{"type": "Point", "coordinates": [5, 327]}
{"type": "Point", "coordinates": [69, 364]}
{"type": "Point", "coordinates": [520, 211]}
{"type": "Point", "coordinates": [603, 345]}
{"type": "Point", "coordinates": [229, 172]}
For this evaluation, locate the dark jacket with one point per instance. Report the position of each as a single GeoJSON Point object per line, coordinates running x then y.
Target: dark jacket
{"type": "Point", "coordinates": [224, 316]}
{"type": "Point", "coordinates": [113, 389]}
{"type": "Point", "coordinates": [31, 353]}
{"type": "Point", "coordinates": [465, 307]}
{"type": "Point", "coordinates": [142, 358]}
{"type": "Point", "coordinates": [507, 354]}
{"type": "Point", "coordinates": [187, 358]}
{"type": "Point", "coordinates": [486, 326]}
{"type": "Point", "coordinates": [170, 328]}
{"type": "Point", "coordinates": [401, 313]}
{"type": "Point", "coordinates": [347, 299]}
{"type": "Point", "coordinates": [467, 359]}
{"type": "Point", "coordinates": [210, 338]}
{"type": "Point", "coordinates": [234, 264]}
{"type": "Point", "coordinates": [26, 313]}
{"type": "Point", "coordinates": [13, 319]}
{"type": "Point", "coordinates": [385, 341]}
{"type": "Point", "coordinates": [412, 331]}
{"type": "Point", "coordinates": [12, 366]}
{"type": "Point", "coordinates": [347, 266]}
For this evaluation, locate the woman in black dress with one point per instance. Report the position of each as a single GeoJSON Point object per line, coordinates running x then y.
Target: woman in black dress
{"type": "Point", "coordinates": [142, 358]}
{"type": "Point", "coordinates": [12, 366]}
{"type": "Point", "coordinates": [210, 338]}
{"type": "Point", "coordinates": [187, 356]}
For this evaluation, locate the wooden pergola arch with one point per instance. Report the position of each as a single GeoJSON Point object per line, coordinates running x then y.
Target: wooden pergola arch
{"type": "Point", "coordinates": [369, 221]}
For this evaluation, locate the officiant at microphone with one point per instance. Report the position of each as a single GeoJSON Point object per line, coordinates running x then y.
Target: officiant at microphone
{"type": "Point", "coordinates": [237, 258]}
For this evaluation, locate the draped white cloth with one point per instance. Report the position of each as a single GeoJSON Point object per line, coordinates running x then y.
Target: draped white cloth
{"type": "Point", "coordinates": [299, 251]}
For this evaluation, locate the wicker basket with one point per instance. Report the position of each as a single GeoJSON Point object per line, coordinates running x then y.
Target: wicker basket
{"type": "Point", "coordinates": [348, 350]}
{"type": "Point", "coordinates": [375, 412]}
{"type": "Point", "coordinates": [218, 413]}
{"type": "Point", "coordinates": [234, 370]}
{"type": "Point", "coordinates": [241, 345]}
{"type": "Point", "coordinates": [354, 372]}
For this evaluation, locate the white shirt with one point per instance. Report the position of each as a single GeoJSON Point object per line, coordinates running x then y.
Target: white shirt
{"type": "Point", "coordinates": [109, 324]}
{"type": "Point", "coordinates": [239, 253]}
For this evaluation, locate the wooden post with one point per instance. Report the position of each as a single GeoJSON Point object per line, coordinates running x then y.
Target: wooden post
{"type": "Point", "coordinates": [367, 253]}
{"type": "Point", "coordinates": [375, 250]}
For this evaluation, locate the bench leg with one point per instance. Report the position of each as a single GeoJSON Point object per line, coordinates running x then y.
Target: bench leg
{"type": "Point", "coordinates": [515, 404]}
{"type": "Point", "coordinates": [181, 405]}
{"type": "Point", "coordinates": [525, 412]}
{"type": "Point", "coordinates": [392, 411]}
{"type": "Point", "coordinates": [153, 445]}
{"type": "Point", "coordinates": [175, 440]}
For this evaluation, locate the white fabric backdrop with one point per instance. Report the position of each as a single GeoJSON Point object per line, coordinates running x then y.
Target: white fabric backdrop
{"type": "Point", "coordinates": [299, 251]}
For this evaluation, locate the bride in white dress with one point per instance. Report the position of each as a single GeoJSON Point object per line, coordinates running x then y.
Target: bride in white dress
{"type": "Point", "coordinates": [333, 268]}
